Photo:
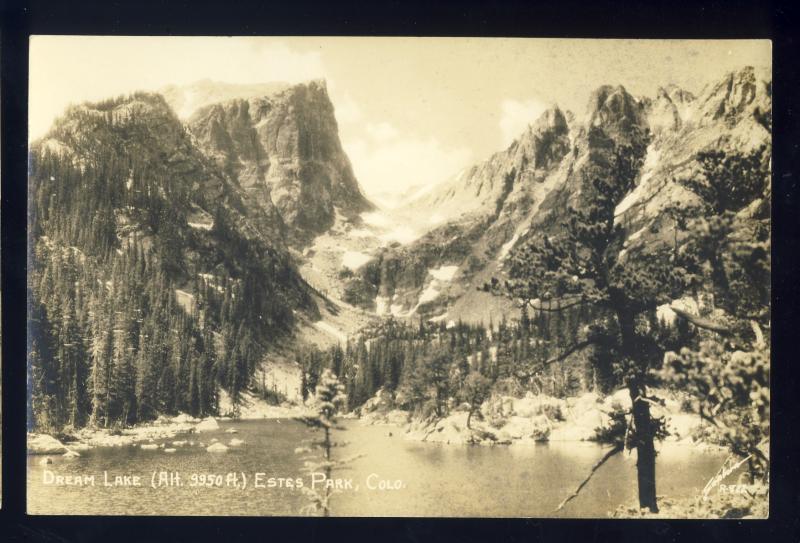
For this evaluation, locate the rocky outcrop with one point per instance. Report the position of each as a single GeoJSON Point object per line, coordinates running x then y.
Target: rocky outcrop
{"type": "Point", "coordinates": [732, 116]}
{"type": "Point", "coordinates": [669, 110]}
{"type": "Point", "coordinates": [740, 94]}
{"type": "Point", "coordinates": [285, 148]}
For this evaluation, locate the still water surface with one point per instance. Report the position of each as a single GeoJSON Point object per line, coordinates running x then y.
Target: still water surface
{"type": "Point", "coordinates": [435, 480]}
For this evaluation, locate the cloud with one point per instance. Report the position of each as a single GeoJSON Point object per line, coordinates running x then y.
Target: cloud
{"type": "Point", "coordinates": [347, 109]}
{"type": "Point", "coordinates": [387, 163]}
{"type": "Point", "coordinates": [382, 131]}
{"type": "Point", "coordinates": [516, 115]}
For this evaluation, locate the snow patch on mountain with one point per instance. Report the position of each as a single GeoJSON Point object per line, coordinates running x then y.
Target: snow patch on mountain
{"type": "Point", "coordinates": [354, 259]}
{"type": "Point", "coordinates": [332, 330]}
{"type": "Point", "coordinates": [444, 273]}
{"type": "Point", "coordinates": [508, 246]}
{"type": "Point", "coordinates": [400, 234]}
{"type": "Point", "coordinates": [428, 295]}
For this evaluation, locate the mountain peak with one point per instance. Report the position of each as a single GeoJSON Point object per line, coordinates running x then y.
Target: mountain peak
{"type": "Point", "coordinates": [740, 93]}
{"type": "Point", "coordinates": [144, 115]}
{"type": "Point", "coordinates": [285, 144]}
{"type": "Point", "coordinates": [188, 99]}
{"type": "Point", "coordinates": [615, 110]}
{"type": "Point", "coordinates": [551, 119]}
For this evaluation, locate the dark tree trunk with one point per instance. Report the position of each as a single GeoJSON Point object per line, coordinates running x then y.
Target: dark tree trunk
{"type": "Point", "coordinates": [644, 431]}
{"type": "Point", "coordinates": [645, 450]}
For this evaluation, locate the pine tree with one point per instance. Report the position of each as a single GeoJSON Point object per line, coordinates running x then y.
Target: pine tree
{"type": "Point", "coordinates": [583, 267]}
{"type": "Point", "coordinates": [726, 367]}
{"type": "Point", "coordinates": [329, 399]}
{"type": "Point", "coordinates": [475, 392]}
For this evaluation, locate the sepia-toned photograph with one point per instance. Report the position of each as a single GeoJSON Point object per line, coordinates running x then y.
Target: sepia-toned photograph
{"type": "Point", "coordinates": [399, 277]}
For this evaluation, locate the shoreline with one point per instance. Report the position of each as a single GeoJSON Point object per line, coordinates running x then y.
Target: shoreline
{"type": "Point", "coordinates": [506, 420]}
{"type": "Point", "coordinates": [75, 442]}
{"type": "Point", "coordinates": [502, 420]}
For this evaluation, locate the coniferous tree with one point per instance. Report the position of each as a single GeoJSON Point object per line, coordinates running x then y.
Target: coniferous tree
{"type": "Point", "coordinates": [584, 267]}
{"type": "Point", "coordinates": [329, 399]}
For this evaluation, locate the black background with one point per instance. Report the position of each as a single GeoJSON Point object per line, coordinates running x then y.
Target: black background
{"type": "Point", "coordinates": [555, 18]}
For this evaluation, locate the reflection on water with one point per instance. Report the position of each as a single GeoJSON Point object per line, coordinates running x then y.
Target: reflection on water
{"type": "Point", "coordinates": [434, 480]}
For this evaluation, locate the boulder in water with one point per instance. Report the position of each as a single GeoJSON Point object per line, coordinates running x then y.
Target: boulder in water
{"type": "Point", "coordinates": [149, 446]}
{"type": "Point", "coordinates": [169, 450]}
{"type": "Point", "coordinates": [45, 461]}
{"type": "Point", "coordinates": [71, 454]}
{"type": "Point", "coordinates": [183, 418]}
{"type": "Point", "coordinates": [207, 425]}
{"type": "Point", "coordinates": [217, 447]}
{"type": "Point", "coordinates": [235, 442]}
{"type": "Point", "coordinates": [231, 431]}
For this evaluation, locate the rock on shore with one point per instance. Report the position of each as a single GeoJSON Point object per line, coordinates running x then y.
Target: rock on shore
{"type": "Point", "coordinates": [209, 424]}
{"type": "Point", "coordinates": [45, 444]}
{"type": "Point", "coordinates": [217, 447]}
{"type": "Point", "coordinates": [533, 418]}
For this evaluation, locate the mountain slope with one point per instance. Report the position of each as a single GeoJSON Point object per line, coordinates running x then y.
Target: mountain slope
{"type": "Point", "coordinates": [527, 191]}
{"type": "Point", "coordinates": [152, 275]}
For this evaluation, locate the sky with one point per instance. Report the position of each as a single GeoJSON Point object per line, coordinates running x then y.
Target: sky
{"type": "Point", "coordinates": [411, 111]}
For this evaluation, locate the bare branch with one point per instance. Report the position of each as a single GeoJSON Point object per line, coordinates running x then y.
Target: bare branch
{"type": "Point", "coordinates": [614, 450]}
{"type": "Point", "coordinates": [571, 350]}
{"type": "Point", "coordinates": [540, 305]}
{"type": "Point", "coordinates": [575, 348]}
{"type": "Point", "coordinates": [701, 322]}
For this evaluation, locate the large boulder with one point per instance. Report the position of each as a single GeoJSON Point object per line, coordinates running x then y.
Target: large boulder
{"type": "Point", "coordinates": [183, 418]}
{"type": "Point", "coordinates": [397, 417]}
{"type": "Point", "coordinates": [209, 424]}
{"type": "Point", "coordinates": [217, 448]}
{"type": "Point", "coordinates": [536, 428]}
{"type": "Point", "coordinates": [45, 444]}
{"type": "Point", "coordinates": [533, 405]}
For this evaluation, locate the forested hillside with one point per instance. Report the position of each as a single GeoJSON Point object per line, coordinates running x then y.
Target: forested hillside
{"type": "Point", "coordinates": [149, 287]}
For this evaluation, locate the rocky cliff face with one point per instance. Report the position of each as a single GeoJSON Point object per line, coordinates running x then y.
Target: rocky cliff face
{"type": "Point", "coordinates": [528, 189]}
{"type": "Point", "coordinates": [485, 188]}
{"type": "Point", "coordinates": [284, 148]}
{"type": "Point", "coordinates": [732, 116]}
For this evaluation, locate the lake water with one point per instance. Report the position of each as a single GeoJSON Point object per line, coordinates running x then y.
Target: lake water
{"type": "Point", "coordinates": [435, 480]}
